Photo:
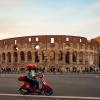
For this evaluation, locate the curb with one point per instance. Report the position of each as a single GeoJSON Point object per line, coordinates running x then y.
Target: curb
{"type": "Point", "coordinates": [38, 97]}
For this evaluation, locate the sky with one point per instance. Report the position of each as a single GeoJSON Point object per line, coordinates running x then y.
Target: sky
{"type": "Point", "coordinates": [49, 17]}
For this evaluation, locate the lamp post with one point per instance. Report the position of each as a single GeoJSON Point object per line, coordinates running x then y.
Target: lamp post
{"type": "Point", "coordinates": [37, 47]}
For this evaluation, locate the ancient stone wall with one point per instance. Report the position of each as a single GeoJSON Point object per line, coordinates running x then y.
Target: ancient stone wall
{"type": "Point", "coordinates": [49, 51]}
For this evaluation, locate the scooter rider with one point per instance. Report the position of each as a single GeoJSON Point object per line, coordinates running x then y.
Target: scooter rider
{"type": "Point", "coordinates": [31, 76]}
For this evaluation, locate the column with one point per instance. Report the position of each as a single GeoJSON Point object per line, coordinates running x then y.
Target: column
{"type": "Point", "coordinates": [33, 56]}
{"type": "Point", "coordinates": [19, 57]}
{"type": "Point", "coordinates": [25, 54]}
{"type": "Point", "coordinates": [56, 57]}
{"type": "Point", "coordinates": [1, 59]}
{"type": "Point", "coordinates": [6, 59]}
{"type": "Point", "coordinates": [64, 54]}
{"type": "Point", "coordinates": [40, 56]}
{"type": "Point", "coordinates": [84, 59]}
{"type": "Point", "coordinates": [12, 59]}
{"type": "Point", "coordinates": [71, 61]}
{"type": "Point", "coordinates": [48, 57]}
{"type": "Point", "coordinates": [97, 59]}
{"type": "Point", "coordinates": [78, 57]}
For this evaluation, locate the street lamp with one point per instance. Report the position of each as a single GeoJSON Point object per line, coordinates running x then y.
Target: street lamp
{"type": "Point", "coordinates": [16, 48]}
{"type": "Point", "coordinates": [37, 47]}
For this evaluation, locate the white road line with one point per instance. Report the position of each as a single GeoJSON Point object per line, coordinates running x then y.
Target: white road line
{"type": "Point", "coordinates": [63, 97]}
{"type": "Point", "coordinates": [97, 76]}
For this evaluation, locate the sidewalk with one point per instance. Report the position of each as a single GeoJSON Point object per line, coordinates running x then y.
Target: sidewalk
{"type": "Point", "coordinates": [62, 74]}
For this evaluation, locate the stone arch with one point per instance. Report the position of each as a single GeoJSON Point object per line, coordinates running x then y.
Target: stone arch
{"type": "Point", "coordinates": [52, 55]}
{"type": "Point", "coordinates": [15, 55]}
{"type": "Point", "coordinates": [67, 57]}
{"type": "Point", "coordinates": [29, 56]}
{"type": "Point", "coordinates": [36, 57]}
{"type": "Point", "coordinates": [22, 56]}
{"type": "Point", "coordinates": [74, 56]}
{"type": "Point", "coordinates": [3, 57]}
{"type": "Point", "coordinates": [60, 55]}
{"type": "Point", "coordinates": [9, 57]}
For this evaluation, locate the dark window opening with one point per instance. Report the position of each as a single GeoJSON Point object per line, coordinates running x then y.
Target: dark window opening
{"type": "Point", "coordinates": [3, 57]}
{"type": "Point", "coordinates": [22, 56]}
{"type": "Point", "coordinates": [60, 55]}
{"type": "Point", "coordinates": [67, 58]}
{"type": "Point", "coordinates": [43, 55]}
{"type": "Point", "coordinates": [8, 57]}
{"type": "Point", "coordinates": [29, 56]}
{"type": "Point", "coordinates": [52, 56]}
{"type": "Point", "coordinates": [81, 57]}
{"type": "Point", "coordinates": [74, 56]}
{"type": "Point", "coordinates": [36, 57]}
{"type": "Point", "coordinates": [15, 57]}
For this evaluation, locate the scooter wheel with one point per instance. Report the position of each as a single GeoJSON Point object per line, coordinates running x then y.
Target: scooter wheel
{"type": "Point", "coordinates": [48, 91]}
{"type": "Point", "coordinates": [23, 91]}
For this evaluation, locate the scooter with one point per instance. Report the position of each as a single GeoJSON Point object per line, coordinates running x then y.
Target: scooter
{"type": "Point", "coordinates": [25, 87]}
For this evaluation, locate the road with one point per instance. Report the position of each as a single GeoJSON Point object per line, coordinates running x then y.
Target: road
{"type": "Point", "coordinates": [85, 85]}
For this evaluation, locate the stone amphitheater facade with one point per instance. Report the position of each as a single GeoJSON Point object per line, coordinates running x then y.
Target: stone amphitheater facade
{"type": "Point", "coordinates": [49, 51]}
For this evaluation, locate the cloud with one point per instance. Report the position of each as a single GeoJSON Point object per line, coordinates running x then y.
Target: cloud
{"type": "Point", "coordinates": [8, 3]}
{"type": "Point", "coordinates": [96, 6]}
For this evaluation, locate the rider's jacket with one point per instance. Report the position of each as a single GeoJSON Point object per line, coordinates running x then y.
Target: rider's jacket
{"type": "Point", "coordinates": [32, 74]}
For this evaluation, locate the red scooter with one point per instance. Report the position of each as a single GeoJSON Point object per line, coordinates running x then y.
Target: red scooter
{"type": "Point", "coordinates": [25, 87]}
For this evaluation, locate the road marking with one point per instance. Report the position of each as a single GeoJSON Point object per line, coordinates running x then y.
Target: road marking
{"type": "Point", "coordinates": [97, 76]}
{"type": "Point", "coordinates": [63, 97]}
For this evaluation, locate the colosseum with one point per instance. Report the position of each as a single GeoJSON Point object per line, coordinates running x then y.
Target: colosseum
{"type": "Point", "coordinates": [49, 51]}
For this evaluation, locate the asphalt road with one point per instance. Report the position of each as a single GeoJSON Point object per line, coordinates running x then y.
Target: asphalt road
{"type": "Point", "coordinates": [85, 85]}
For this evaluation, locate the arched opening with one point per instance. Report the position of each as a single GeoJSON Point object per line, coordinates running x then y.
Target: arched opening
{"type": "Point", "coordinates": [29, 56]}
{"type": "Point", "coordinates": [43, 57]}
{"type": "Point", "coordinates": [67, 58]}
{"type": "Point", "coordinates": [81, 57]}
{"type": "Point", "coordinates": [22, 55]}
{"type": "Point", "coordinates": [3, 57]}
{"type": "Point", "coordinates": [52, 55]}
{"type": "Point", "coordinates": [36, 57]}
{"type": "Point", "coordinates": [15, 56]}
{"type": "Point", "coordinates": [9, 57]}
{"type": "Point", "coordinates": [60, 55]}
{"type": "Point", "coordinates": [74, 56]}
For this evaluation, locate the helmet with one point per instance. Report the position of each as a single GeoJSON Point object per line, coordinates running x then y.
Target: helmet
{"type": "Point", "coordinates": [34, 66]}
{"type": "Point", "coordinates": [31, 66]}
{"type": "Point", "coordinates": [21, 78]}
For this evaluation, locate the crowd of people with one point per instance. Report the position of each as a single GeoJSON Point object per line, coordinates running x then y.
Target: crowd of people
{"type": "Point", "coordinates": [52, 69]}
{"type": "Point", "coordinates": [8, 70]}
{"type": "Point", "coordinates": [74, 69]}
